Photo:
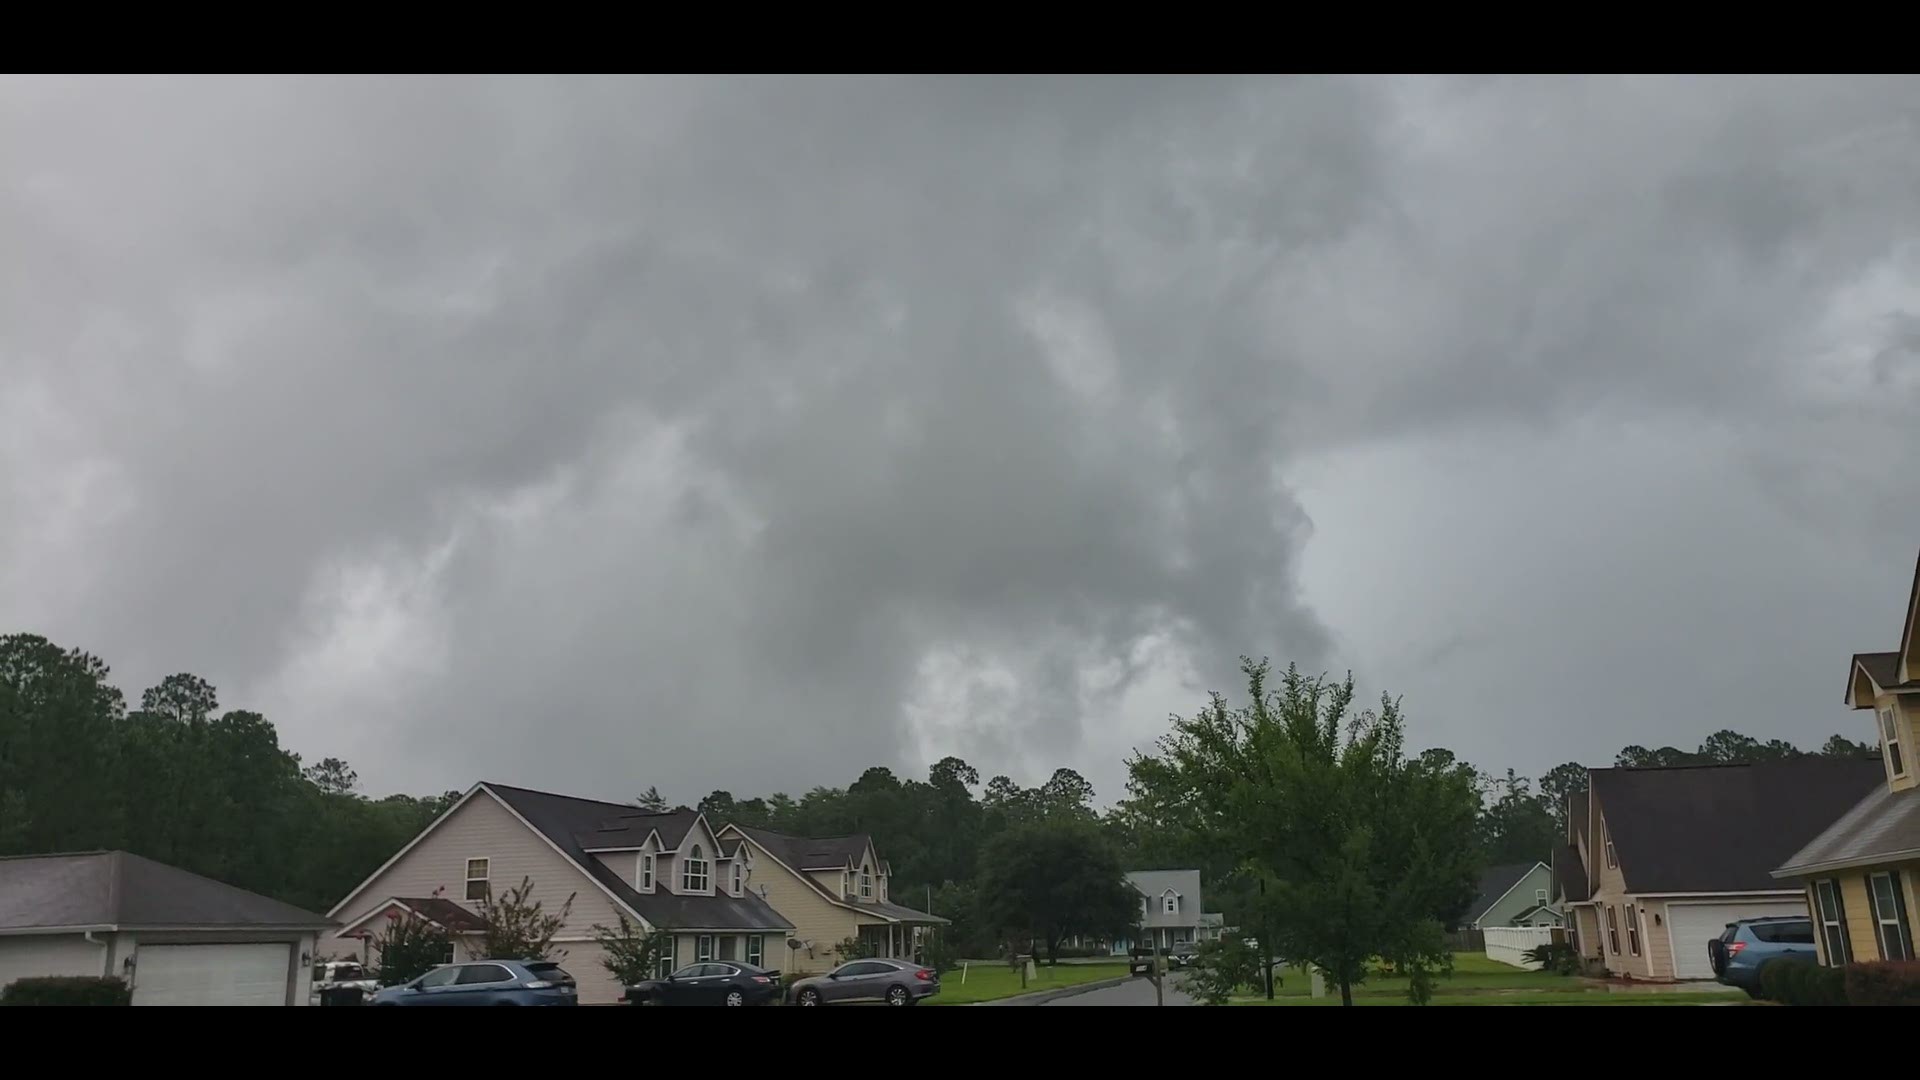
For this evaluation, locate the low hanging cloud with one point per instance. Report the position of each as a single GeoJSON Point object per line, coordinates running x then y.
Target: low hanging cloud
{"type": "Point", "coordinates": [742, 433]}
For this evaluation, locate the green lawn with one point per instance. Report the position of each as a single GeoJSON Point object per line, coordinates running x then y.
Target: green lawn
{"type": "Point", "coordinates": [994, 980]}
{"type": "Point", "coordinates": [1477, 980]}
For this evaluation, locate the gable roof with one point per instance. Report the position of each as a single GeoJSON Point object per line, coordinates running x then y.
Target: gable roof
{"type": "Point", "coordinates": [1155, 883]}
{"type": "Point", "coordinates": [634, 827]}
{"type": "Point", "coordinates": [1881, 667]}
{"type": "Point", "coordinates": [437, 910]}
{"type": "Point", "coordinates": [1908, 630]}
{"type": "Point", "coordinates": [1884, 826]}
{"type": "Point", "coordinates": [821, 854]}
{"type": "Point", "coordinates": [1495, 883]}
{"type": "Point", "coordinates": [1569, 875]}
{"type": "Point", "coordinates": [1538, 910]}
{"type": "Point", "coordinates": [121, 890]}
{"type": "Point", "coordinates": [563, 818]}
{"type": "Point", "coordinates": [1723, 828]}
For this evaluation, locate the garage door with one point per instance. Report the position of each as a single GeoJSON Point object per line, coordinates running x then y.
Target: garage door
{"type": "Point", "coordinates": [211, 974]}
{"type": "Point", "coordinates": [1693, 925]}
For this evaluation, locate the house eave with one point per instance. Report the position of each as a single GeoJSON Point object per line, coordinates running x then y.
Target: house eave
{"type": "Point", "coordinates": [1801, 870]}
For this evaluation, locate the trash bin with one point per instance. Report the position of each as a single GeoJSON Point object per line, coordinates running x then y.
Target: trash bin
{"type": "Point", "coordinates": [342, 995]}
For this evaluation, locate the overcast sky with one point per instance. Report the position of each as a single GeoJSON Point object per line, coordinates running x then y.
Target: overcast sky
{"type": "Point", "coordinates": [744, 433]}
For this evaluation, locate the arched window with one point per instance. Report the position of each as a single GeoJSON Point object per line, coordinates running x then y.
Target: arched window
{"type": "Point", "coordinates": [1170, 902]}
{"type": "Point", "coordinates": [693, 875]}
{"type": "Point", "coordinates": [866, 882]}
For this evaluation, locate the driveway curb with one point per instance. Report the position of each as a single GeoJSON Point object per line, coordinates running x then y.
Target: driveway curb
{"type": "Point", "coordinates": [1043, 996]}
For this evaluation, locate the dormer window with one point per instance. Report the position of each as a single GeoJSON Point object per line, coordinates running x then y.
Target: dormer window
{"type": "Point", "coordinates": [846, 885]}
{"type": "Point", "coordinates": [1170, 902]}
{"type": "Point", "coordinates": [866, 883]}
{"type": "Point", "coordinates": [739, 881]}
{"type": "Point", "coordinates": [1890, 740]}
{"type": "Point", "coordinates": [693, 871]}
{"type": "Point", "coordinates": [646, 872]}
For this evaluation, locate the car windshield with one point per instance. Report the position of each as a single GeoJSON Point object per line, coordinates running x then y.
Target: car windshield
{"type": "Point", "coordinates": [550, 971]}
{"type": "Point", "coordinates": [346, 971]}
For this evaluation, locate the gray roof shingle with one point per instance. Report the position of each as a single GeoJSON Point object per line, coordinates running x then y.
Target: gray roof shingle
{"type": "Point", "coordinates": [1882, 827]}
{"type": "Point", "coordinates": [1723, 828]}
{"type": "Point", "coordinates": [120, 889]}
{"type": "Point", "coordinates": [563, 819]}
{"type": "Point", "coordinates": [831, 853]}
{"type": "Point", "coordinates": [1496, 882]}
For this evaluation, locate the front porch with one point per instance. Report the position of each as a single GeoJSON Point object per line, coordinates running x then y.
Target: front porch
{"type": "Point", "coordinates": [894, 941]}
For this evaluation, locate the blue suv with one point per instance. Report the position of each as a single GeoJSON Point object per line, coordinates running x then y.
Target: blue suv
{"type": "Point", "coordinates": [1746, 947]}
{"type": "Point", "coordinates": [486, 982]}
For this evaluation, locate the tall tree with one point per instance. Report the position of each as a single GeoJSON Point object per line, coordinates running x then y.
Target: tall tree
{"type": "Point", "coordinates": [1517, 826]}
{"type": "Point", "coordinates": [651, 801]}
{"type": "Point", "coordinates": [1841, 746]}
{"type": "Point", "coordinates": [333, 776]}
{"type": "Point", "coordinates": [1049, 879]}
{"type": "Point", "coordinates": [1557, 787]}
{"type": "Point", "coordinates": [1366, 854]}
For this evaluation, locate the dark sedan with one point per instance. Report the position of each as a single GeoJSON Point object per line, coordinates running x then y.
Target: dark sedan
{"type": "Point", "coordinates": [720, 982]}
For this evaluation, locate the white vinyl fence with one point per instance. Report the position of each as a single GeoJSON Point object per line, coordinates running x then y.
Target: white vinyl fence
{"type": "Point", "coordinates": [1509, 944]}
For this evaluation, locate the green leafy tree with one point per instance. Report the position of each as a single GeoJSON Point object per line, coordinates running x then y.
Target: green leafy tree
{"type": "Point", "coordinates": [628, 952]}
{"type": "Point", "coordinates": [518, 927]}
{"type": "Point", "coordinates": [1224, 967]}
{"type": "Point", "coordinates": [1517, 826]}
{"type": "Point", "coordinates": [1557, 787]}
{"type": "Point", "coordinates": [409, 947]}
{"type": "Point", "coordinates": [1365, 854]}
{"type": "Point", "coordinates": [1841, 746]}
{"type": "Point", "coordinates": [333, 776]}
{"type": "Point", "coordinates": [651, 801]}
{"type": "Point", "coordinates": [1048, 880]}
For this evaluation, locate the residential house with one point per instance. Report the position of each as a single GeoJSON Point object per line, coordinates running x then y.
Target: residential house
{"type": "Point", "coordinates": [1513, 894]}
{"type": "Point", "coordinates": [1670, 856]}
{"type": "Point", "coordinates": [1570, 888]}
{"type": "Point", "coordinates": [177, 938]}
{"type": "Point", "coordinates": [1170, 910]}
{"type": "Point", "coordinates": [1859, 872]}
{"type": "Point", "coordinates": [834, 890]}
{"type": "Point", "coordinates": [664, 872]}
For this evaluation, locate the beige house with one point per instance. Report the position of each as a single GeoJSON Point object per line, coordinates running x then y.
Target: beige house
{"type": "Point", "coordinates": [1859, 872]}
{"type": "Point", "coordinates": [665, 872]}
{"type": "Point", "coordinates": [833, 889]}
{"type": "Point", "coordinates": [1668, 856]}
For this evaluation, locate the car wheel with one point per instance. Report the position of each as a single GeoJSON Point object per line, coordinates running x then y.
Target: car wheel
{"type": "Point", "coordinates": [898, 996]}
{"type": "Point", "coordinates": [809, 996]}
{"type": "Point", "coordinates": [736, 998]}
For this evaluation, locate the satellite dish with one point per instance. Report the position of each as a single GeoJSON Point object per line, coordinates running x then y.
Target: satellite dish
{"type": "Point", "coordinates": [795, 943]}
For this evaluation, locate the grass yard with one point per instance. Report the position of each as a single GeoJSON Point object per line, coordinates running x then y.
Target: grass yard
{"type": "Point", "coordinates": [1477, 980]}
{"type": "Point", "coordinates": [994, 980]}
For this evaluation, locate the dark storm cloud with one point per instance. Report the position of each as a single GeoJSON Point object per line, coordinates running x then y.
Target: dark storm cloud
{"type": "Point", "coordinates": [743, 433]}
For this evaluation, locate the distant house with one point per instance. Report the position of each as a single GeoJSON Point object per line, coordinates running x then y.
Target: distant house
{"type": "Point", "coordinates": [1171, 910]}
{"type": "Point", "coordinates": [833, 889]}
{"type": "Point", "coordinates": [1509, 891]}
{"type": "Point", "coordinates": [664, 872]}
{"type": "Point", "coordinates": [1666, 857]}
{"type": "Point", "coordinates": [1859, 872]}
{"type": "Point", "coordinates": [176, 938]}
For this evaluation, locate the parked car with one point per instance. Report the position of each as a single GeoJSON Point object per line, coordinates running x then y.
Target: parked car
{"type": "Point", "coordinates": [1746, 947]}
{"type": "Point", "coordinates": [342, 982]}
{"type": "Point", "coordinates": [721, 982]}
{"type": "Point", "coordinates": [1140, 958]}
{"type": "Point", "coordinates": [896, 982]}
{"type": "Point", "coordinates": [486, 982]}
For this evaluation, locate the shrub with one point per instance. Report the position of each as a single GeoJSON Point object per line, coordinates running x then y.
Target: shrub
{"type": "Point", "coordinates": [1222, 967]}
{"type": "Point", "coordinates": [409, 948]}
{"type": "Point", "coordinates": [66, 990]}
{"type": "Point", "coordinates": [1883, 982]}
{"type": "Point", "coordinates": [629, 953]}
{"type": "Point", "coordinates": [1556, 957]}
{"type": "Point", "coordinates": [1795, 983]}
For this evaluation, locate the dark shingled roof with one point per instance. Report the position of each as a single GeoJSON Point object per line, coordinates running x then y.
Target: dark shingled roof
{"type": "Point", "coordinates": [1569, 874]}
{"type": "Point", "coordinates": [1723, 828]}
{"type": "Point", "coordinates": [444, 912]}
{"type": "Point", "coordinates": [813, 852]}
{"type": "Point", "coordinates": [1883, 827]}
{"type": "Point", "coordinates": [562, 818]}
{"type": "Point", "coordinates": [1496, 882]}
{"type": "Point", "coordinates": [632, 828]}
{"type": "Point", "coordinates": [119, 889]}
{"type": "Point", "coordinates": [1884, 669]}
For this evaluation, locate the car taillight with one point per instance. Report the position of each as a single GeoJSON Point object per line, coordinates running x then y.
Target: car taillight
{"type": "Point", "coordinates": [1734, 947]}
{"type": "Point", "coordinates": [761, 979]}
{"type": "Point", "coordinates": [538, 984]}
{"type": "Point", "coordinates": [924, 975]}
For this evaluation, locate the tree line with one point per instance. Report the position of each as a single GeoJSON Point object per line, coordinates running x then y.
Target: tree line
{"type": "Point", "coordinates": [1294, 804]}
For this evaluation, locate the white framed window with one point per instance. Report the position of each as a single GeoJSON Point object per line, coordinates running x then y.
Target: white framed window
{"type": "Point", "coordinates": [1890, 916]}
{"type": "Point", "coordinates": [1833, 922]}
{"type": "Point", "coordinates": [703, 948]}
{"type": "Point", "coordinates": [846, 885]}
{"type": "Point", "coordinates": [693, 873]}
{"type": "Point", "coordinates": [739, 878]}
{"type": "Point", "coordinates": [1613, 930]}
{"type": "Point", "coordinates": [1170, 903]}
{"type": "Point", "coordinates": [477, 873]}
{"type": "Point", "coordinates": [1607, 835]}
{"type": "Point", "coordinates": [666, 960]}
{"type": "Point", "coordinates": [1539, 896]}
{"type": "Point", "coordinates": [757, 949]}
{"type": "Point", "coordinates": [1890, 740]}
{"type": "Point", "coordinates": [645, 883]}
{"type": "Point", "coordinates": [883, 888]}
{"type": "Point", "coordinates": [1633, 931]}
{"type": "Point", "coordinates": [866, 883]}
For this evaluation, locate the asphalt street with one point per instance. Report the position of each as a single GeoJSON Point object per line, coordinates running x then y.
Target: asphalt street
{"type": "Point", "coordinates": [1132, 992]}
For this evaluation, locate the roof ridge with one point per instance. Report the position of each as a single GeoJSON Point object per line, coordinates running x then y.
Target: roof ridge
{"type": "Point", "coordinates": [61, 854]}
{"type": "Point", "coordinates": [496, 785]}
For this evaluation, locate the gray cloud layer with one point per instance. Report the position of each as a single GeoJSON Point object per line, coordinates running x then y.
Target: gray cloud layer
{"type": "Point", "coordinates": [742, 433]}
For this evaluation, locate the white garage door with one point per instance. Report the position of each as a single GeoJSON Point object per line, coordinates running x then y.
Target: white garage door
{"type": "Point", "coordinates": [211, 974]}
{"type": "Point", "coordinates": [1693, 925]}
